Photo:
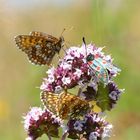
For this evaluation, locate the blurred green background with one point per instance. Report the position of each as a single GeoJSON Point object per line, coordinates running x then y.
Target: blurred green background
{"type": "Point", "coordinates": [111, 23]}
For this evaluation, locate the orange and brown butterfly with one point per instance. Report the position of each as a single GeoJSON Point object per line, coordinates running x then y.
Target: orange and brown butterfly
{"type": "Point", "coordinates": [65, 105]}
{"type": "Point", "coordinates": [39, 47]}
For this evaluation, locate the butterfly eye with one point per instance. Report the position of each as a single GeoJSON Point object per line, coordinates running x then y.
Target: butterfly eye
{"type": "Point", "coordinates": [90, 57]}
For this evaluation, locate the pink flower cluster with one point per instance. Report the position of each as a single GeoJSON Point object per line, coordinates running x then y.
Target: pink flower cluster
{"type": "Point", "coordinates": [38, 122]}
{"type": "Point", "coordinates": [74, 70]}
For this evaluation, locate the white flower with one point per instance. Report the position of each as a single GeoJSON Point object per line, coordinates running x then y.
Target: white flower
{"type": "Point", "coordinates": [107, 132]}
{"type": "Point", "coordinates": [108, 58]}
{"type": "Point", "coordinates": [90, 49]}
{"type": "Point", "coordinates": [29, 138]}
{"type": "Point", "coordinates": [78, 73]}
{"type": "Point", "coordinates": [51, 78]}
{"type": "Point", "coordinates": [99, 51]}
{"type": "Point", "coordinates": [58, 89]}
{"type": "Point", "coordinates": [26, 122]}
{"type": "Point", "coordinates": [68, 57]}
{"type": "Point", "coordinates": [51, 71]}
{"type": "Point", "coordinates": [44, 86]}
{"type": "Point", "coordinates": [113, 95]}
{"type": "Point", "coordinates": [66, 80]}
{"type": "Point", "coordinates": [75, 51]}
{"type": "Point", "coordinates": [65, 65]}
{"type": "Point", "coordinates": [34, 114]}
{"type": "Point", "coordinates": [93, 136]}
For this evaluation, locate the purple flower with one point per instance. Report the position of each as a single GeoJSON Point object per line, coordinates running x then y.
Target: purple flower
{"type": "Point", "coordinates": [93, 136]}
{"type": "Point", "coordinates": [114, 93]}
{"type": "Point", "coordinates": [78, 125]}
{"type": "Point", "coordinates": [75, 128]}
{"type": "Point", "coordinates": [91, 127]}
{"type": "Point", "coordinates": [105, 96]}
{"type": "Point", "coordinates": [89, 70]}
{"type": "Point", "coordinates": [38, 122]}
{"type": "Point", "coordinates": [73, 69]}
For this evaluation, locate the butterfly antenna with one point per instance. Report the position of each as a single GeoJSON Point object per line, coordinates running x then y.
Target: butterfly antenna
{"type": "Point", "coordinates": [68, 29]}
{"type": "Point", "coordinates": [63, 31]}
{"type": "Point", "coordinates": [71, 28]}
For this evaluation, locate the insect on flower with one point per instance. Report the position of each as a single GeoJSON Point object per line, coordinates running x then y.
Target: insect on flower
{"type": "Point", "coordinates": [39, 47]}
{"type": "Point", "coordinates": [65, 104]}
{"type": "Point", "coordinates": [97, 64]}
{"type": "Point", "coordinates": [100, 66]}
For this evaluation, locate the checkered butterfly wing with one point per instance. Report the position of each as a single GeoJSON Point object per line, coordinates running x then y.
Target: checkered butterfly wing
{"type": "Point", "coordinates": [36, 33]}
{"type": "Point", "coordinates": [50, 101]}
{"type": "Point", "coordinates": [39, 47]}
{"type": "Point", "coordinates": [65, 104]}
{"type": "Point", "coordinates": [47, 36]}
{"type": "Point", "coordinates": [72, 106]}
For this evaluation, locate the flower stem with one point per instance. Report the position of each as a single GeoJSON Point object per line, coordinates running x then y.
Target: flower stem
{"type": "Point", "coordinates": [49, 137]}
{"type": "Point", "coordinates": [64, 136]}
{"type": "Point", "coordinates": [79, 91]}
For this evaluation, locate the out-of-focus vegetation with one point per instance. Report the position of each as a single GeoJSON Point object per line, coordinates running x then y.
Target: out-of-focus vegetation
{"type": "Point", "coordinates": [115, 24]}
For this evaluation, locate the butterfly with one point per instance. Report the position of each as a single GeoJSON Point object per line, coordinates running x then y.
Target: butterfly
{"type": "Point", "coordinates": [65, 105]}
{"type": "Point", "coordinates": [39, 47]}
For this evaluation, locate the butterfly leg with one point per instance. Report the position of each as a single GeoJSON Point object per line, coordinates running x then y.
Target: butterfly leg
{"type": "Point", "coordinates": [66, 44]}
{"type": "Point", "coordinates": [64, 50]}
{"type": "Point", "coordinates": [58, 56]}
